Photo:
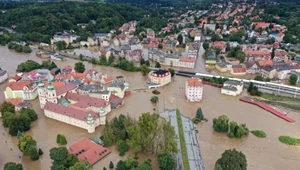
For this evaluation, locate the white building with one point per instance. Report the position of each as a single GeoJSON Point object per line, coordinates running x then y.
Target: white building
{"type": "Point", "coordinates": [232, 88]}
{"type": "Point", "coordinates": [194, 89]}
{"type": "Point", "coordinates": [68, 38]}
{"type": "Point", "coordinates": [3, 75]}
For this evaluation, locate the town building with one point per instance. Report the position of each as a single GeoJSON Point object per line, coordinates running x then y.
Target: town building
{"type": "Point", "coordinates": [219, 45]}
{"type": "Point", "coordinates": [212, 27]}
{"type": "Point", "coordinates": [87, 150]}
{"type": "Point", "coordinates": [238, 71]}
{"type": "Point", "coordinates": [211, 57]}
{"type": "Point", "coordinates": [223, 66]}
{"type": "Point", "coordinates": [232, 88]}
{"type": "Point", "coordinates": [65, 105]}
{"type": "Point", "coordinates": [117, 88]}
{"type": "Point", "coordinates": [194, 89]}
{"type": "Point", "coordinates": [19, 103]}
{"type": "Point", "coordinates": [26, 90]}
{"type": "Point", "coordinates": [3, 75]}
{"type": "Point", "coordinates": [268, 72]}
{"type": "Point", "coordinates": [16, 78]}
{"type": "Point", "coordinates": [67, 38]}
{"type": "Point", "coordinates": [159, 78]}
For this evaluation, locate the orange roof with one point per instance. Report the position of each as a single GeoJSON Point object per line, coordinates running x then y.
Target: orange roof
{"type": "Point", "coordinates": [263, 63]}
{"type": "Point", "coordinates": [55, 84]}
{"type": "Point", "coordinates": [87, 150]}
{"type": "Point", "coordinates": [219, 44]}
{"type": "Point", "coordinates": [108, 79]}
{"type": "Point", "coordinates": [258, 53]}
{"type": "Point", "coordinates": [239, 70]}
{"type": "Point", "coordinates": [194, 82]}
{"type": "Point", "coordinates": [14, 101]}
{"type": "Point", "coordinates": [18, 85]}
{"type": "Point", "coordinates": [189, 59]}
{"type": "Point", "coordinates": [17, 78]}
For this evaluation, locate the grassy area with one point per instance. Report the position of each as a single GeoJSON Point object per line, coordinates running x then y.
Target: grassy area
{"type": "Point", "coordinates": [289, 140]}
{"type": "Point", "coordinates": [259, 133]}
{"type": "Point", "coordinates": [185, 158]}
{"type": "Point", "coordinates": [282, 101]}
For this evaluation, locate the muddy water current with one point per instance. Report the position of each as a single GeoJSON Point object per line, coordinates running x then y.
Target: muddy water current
{"type": "Point", "coordinates": [262, 154]}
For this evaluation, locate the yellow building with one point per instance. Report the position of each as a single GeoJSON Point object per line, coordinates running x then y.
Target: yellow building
{"type": "Point", "coordinates": [26, 90]}
{"type": "Point", "coordinates": [117, 88]}
{"type": "Point", "coordinates": [159, 78]}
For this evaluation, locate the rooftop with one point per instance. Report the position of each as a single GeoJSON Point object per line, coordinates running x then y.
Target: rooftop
{"type": "Point", "coordinates": [195, 82]}
{"type": "Point", "coordinates": [87, 150]}
{"type": "Point", "coordinates": [65, 88]}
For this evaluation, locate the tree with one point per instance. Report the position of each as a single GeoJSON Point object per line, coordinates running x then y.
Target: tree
{"type": "Point", "coordinates": [62, 159]}
{"type": "Point", "coordinates": [7, 107]}
{"type": "Point", "coordinates": [199, 114]}
{"type": "Point", "coordinates": [58, 138]}
{"type": "Point", "coordinates": [27, 145]}
{"type": "Point", "coordinates": [250, 87]}
{"type": "Point", "coordinates": [142, 61]}
{"type": "Point", "coordinates": [180, 38]}
{"type": "Point", "coordinates": [108, 136]}
{"type": "Point", "coordinates": [106, 169]}
{"type": "Point", "coordinates": [111, 59]}
{"type": "Point", "coordinates": [27, 66]}
{"type": "Point", "coordinates": [218, 167]}
{"type": "Point", "coordinates": [237, 131]}
{"type": "Point", "coordinates": [154, 99]}
{"type": "Point", "coordinates": [166, 161]}
{"type": "Point", "coordinates": [103, 60]}
{"type": "Point", "coordinates": [293, 79]}
{"type": "Point", "coordinates": [146, 165]}
{"type": "Point", "coordinates": [13, 166]}
{"type": "Point", "coordinates": [144, 69]}
{"type": "Point", "coordinates": [157, 65]}
{"type": "Point", "coordinates": [205, 45]}
{"type": "Point", "coordinates": [259, 78]}
{"type": "Point", "coordinates": [120, 165]}
{"type": "Point", "coordinates": [122, 147]}
{"type": "Point", "coordinates": [79, 166]}
{"type": "Point", "coordinates": [131, 163]}
{"type": "Point", "coordinates": [160, 46]}
{"type": "Point", "coordinates": [220, 124]}
{"type": "Point", "coordinates": [81, 57]}
{"type": "Point", "coordinates": [79, 67]}
{"type": "Point", "coordinates": [172, 71]}
{"type": "Point", "coordinates": [41, 151]}
{"type": "Point", "coordinates": [111, 165]}
{"type": "Point", "coordinates": [227, 47]}
{"type": "Point", "coordinates": [63, 140]}
{"type": "Point", "coordinates": [273, 53]}
{"type": "Point", "coordinates": [30, 113]}
{"type": "Point", "coordinates": [7, 118]}
{"type": "Point", "coordinates": [60, 45]}
{"type": "Point", "coordinates": [19, 123]}
{"type": "Point", "coordinates": [214, 37]}
{"type": "Point", "coordinates": [232, 159]}
{"type": "Point", "coordinates": [147, 63]}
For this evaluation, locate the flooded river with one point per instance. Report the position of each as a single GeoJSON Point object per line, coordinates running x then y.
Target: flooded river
{"type": "Point", "coordinates": [262, 154]}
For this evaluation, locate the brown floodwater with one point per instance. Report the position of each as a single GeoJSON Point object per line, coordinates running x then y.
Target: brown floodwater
{"type": "Point", "coordinates": [262, 154]}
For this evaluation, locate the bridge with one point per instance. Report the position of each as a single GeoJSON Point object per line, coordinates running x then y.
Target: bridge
{"type": "Point", "coordinates": [268, 87]}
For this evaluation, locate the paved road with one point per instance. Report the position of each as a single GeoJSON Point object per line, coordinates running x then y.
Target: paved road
{"type": "Point", "coordinates": [9, 30]}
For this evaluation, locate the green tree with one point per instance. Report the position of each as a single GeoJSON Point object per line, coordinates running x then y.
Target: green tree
{"type": "Point", "coordinates": [157, 65]}
{"type": "Point", "coordinates": [146, 165]}
{"type": "Point", "coordinates": [259, 78]}
{"type": "Point", "coordinates": [79, 67]}
{"type": "Point", "coordinates": [19, 123]}
{"type": "Point", "coordinates": [144, 69]}
{"type": "Point", "coordinates": [7, 118]}
{"type": "Point", "coordinates": [220, 124]}
{"type": "Point", "coordinates": [218, 167]}
{"type": "Point", "coordinates": [160, 46]}
{"type": "Point", "coordinates": [13, 166]}
{"type": "Point", "coordinates": [180, 38]}
{"type": "Point", "coordinates": [63, 140]}
{"type": "Point", "coordinates": [7, 107]}
{"type": "Point", "coordinates": [232, 159]}
{"type": "Point", "coordinates": [154, 99]}
{"type": "Point", "coordinates": [116, 168]}
{"type": "Point", "coordinates": [111, 59]}
{"type": "Point", "coordinates": [199, 114]}
{"type": "Point", "coordinates": [214, 37]}
{"type": "Point", "coordinates": [227, 47]}
{"type": "Point", "coordinates": [61, 45]}
{"type": "Point", "coordinates": [120, 165]}
{"type": "Point", "coordinates": [58, 136]}
{"type": "Point", "coordinates": [122, 147]}
{"type": "Point", "coordinates": [131, 163]}
{"type": "Point", "coordinates": [205, 45]}
{"type": "Point", "coordinates": [147, 63]}
{"type": "Point", "coordinates": [142, 61]}
{"type": "Point", "coordinates": [40, 151]}
{"type": "Point", "coordinates": [111, 165]}
{"type": "Point", "coordinates": [81, 57]}
{"type": "Point", "coordinates": [79, 166]}
{"type": "Point", "coordinates": [27, 145]}
{"type": "Point", "coordinates": [27, 66]}
{"type": "Point", "coordinates": [293, 79]}
{"type": "Point", "coordinates": [108, 136]}
{"type": "Point", "coordinates": [250, 87]}
{"type": "Point", "coordinates": [273, 53]}
{"type": "Point", "coordinates": [172, 71]}
{"type": "Point", "coordinates": [166, 161]}
{"type": "Point", "coordinates": [30, 113]}
{"type": "Point", "coordinates": [103, 60]}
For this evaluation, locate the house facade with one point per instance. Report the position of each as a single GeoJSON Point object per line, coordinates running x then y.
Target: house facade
{"type": "Point", "coordinates": [194, 89]}
{"type": "Point", "coordinates": [26, 90]}
{"type": "Point", "coordinates": [232, 88]}
{"type": "Point", "coordinates": [3, 75]}
{"type": "Point", "coordinates": [159, 78]}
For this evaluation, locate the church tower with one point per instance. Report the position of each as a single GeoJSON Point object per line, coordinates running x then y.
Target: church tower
{"type": "Point", "coordinates": [90, 121]}
{"type": "Point", "coordinates": [102, 115]}
{"type": "Point", "coordinates": [51, 93]}
{"type": "Point", "coordinates": [42, 93]}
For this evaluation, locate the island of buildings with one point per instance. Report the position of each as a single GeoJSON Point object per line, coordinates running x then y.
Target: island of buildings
{"type": "Point", "coordinates": [159, 78]}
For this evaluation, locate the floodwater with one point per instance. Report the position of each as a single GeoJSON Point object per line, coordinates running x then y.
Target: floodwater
{"type": "Point", "coordinates": [262, 154]}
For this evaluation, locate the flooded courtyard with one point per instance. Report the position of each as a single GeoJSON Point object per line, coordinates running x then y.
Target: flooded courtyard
{"type": "Point", "coordinates": [262, 154]}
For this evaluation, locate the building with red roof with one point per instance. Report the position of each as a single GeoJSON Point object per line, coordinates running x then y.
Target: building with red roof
{"type": "Point", "coordinates": [26, 90]}
{"type": "Point", "coordinates": [194, 89]}
{"type": "Point", "coordinates": [87, 150]}
{"type": "Point", "coordinates": [220, 45]}
{"type": "Point", "coordinates": [238, 71]}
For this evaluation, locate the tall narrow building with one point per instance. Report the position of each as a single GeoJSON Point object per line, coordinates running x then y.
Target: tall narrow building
{"type": "Point", "coordinates": [194, 89]}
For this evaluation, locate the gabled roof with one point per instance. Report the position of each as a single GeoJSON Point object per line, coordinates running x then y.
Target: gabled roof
{"type": "Point", "coordinates": [18, 85]}
{"type": "Point", "coordinates": [87, 150]}
{"type": "Point", "coordinates": [84, 101]}
{"type": "Point", "coordinates": [65, 88]}
{"type": "Point", "coordinates": [195, 82]}
{"type": "Point", "coordinates": [263, 63]}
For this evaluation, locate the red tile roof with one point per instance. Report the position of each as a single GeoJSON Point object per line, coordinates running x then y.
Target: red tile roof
{"type": "Point", "coordinates": [16, 78]}
{"type": "Point", "coordinates": [74, 112]}
{"type": "Point", "coordinates": [55, 84]}
{"type": "Point", "coordinates": [18, 85]}
{"type": "Point", "coordinates": [14, 101]}
{"type": "Point", "coordinates": [65, 88]}
{"type": "Point", "coordinates": [194, 82]}
{"type": "Point", "coordinates": [87, 150]}
{"type": "Point", "coordinates": [219, 44]}
{"type": "Point", "coordinates": [257, 53]}
{"type": "Point", "coordinates": [189, 59]}
{"type": "Point", "coordinates": [239, 70]}
{"type": "Point", "coordinates": [263, 63]}
{"type": "Point", "coordinates": [84, 101]}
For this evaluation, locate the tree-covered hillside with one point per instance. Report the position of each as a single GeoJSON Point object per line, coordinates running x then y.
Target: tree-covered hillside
{"type": "Point", "coordinates": [41, 20]}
